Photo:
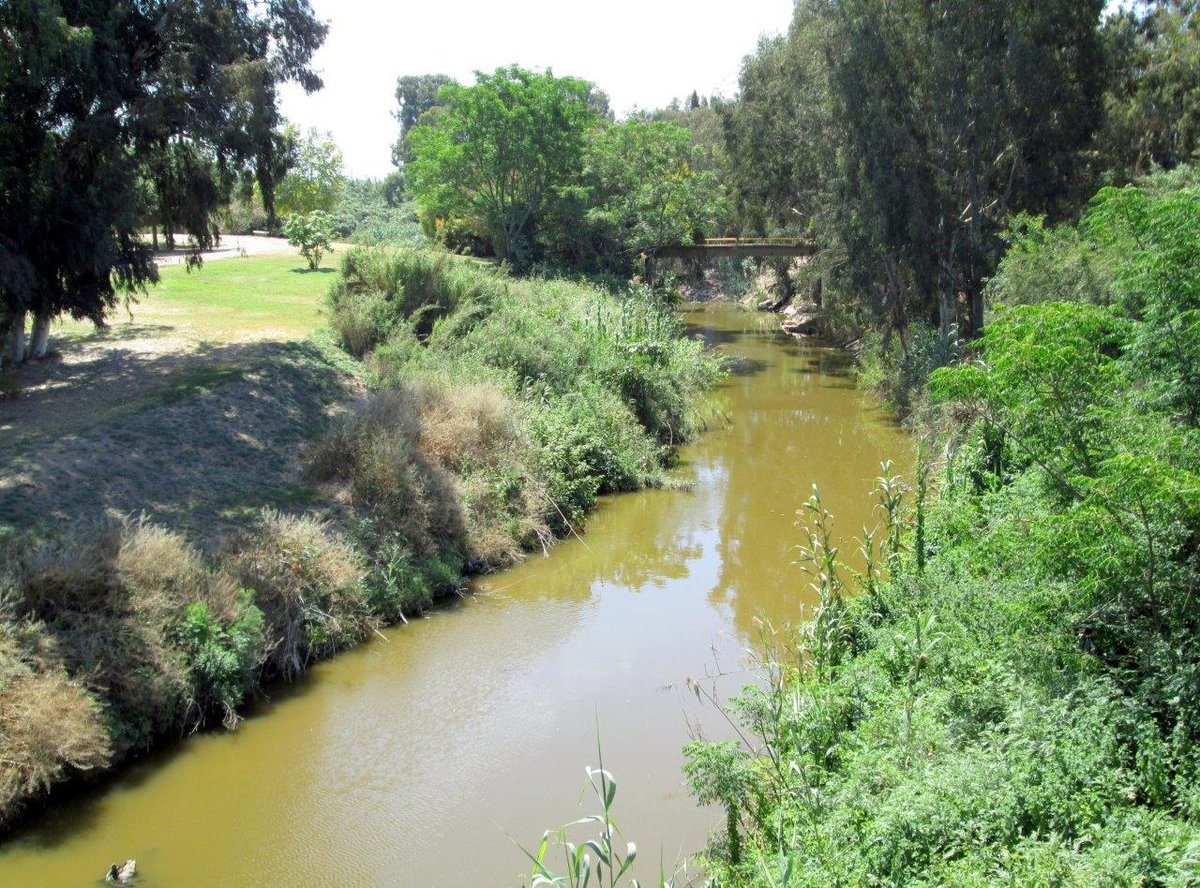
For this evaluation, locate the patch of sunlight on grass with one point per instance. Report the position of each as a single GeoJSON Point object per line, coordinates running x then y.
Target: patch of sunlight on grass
{"type": "Point", "coordinates": [252, 298]}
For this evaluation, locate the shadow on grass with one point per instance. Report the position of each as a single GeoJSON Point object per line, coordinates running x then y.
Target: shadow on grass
{"type": "Point", "coordinates": [314, 270]}
{"type": "Point", "coordinates": [116, 331]}
{"type": "Point", "coordinates": [186, 439]}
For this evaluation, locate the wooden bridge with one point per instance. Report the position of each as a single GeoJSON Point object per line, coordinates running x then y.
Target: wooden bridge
{"type": "Point", "coordinates": [737, 248]}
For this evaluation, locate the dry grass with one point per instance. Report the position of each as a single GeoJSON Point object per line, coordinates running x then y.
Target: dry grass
{"type": "Point", "coordinates": [50, 727]}
{"type": "Point", "coordinates": [203, 458]}
{"type": "Point", "coordinates": [377, 453]}
{"type": "Point", "coordinates": [477, 432]}
{"type": "Point", "coordinates": [109, 597]}
{"type": "Point", "coordinates": [308, 581]}
{"type": "Point", "coordinates": [474, 424]}
{"type": "Point", "coordinates": [446, 468]}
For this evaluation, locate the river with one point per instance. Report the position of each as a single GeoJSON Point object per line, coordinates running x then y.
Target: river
{"type": "Point", "coordinates": [412, 761]}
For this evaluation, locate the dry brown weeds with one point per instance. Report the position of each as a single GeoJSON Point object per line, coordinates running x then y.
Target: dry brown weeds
{"type": "Point", "coordinates": [308, 581]}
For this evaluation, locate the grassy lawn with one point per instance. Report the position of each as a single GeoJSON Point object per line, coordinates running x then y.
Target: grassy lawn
{"type": "Point", "coordinates": [228, 300]}
{"type": "Point", "coordinates": [194, 331]}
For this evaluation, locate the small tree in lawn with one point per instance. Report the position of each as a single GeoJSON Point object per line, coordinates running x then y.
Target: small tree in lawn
{"type": "Point", "coordinates": [312, 233]}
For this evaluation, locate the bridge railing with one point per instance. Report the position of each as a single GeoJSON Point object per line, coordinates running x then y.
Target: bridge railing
{"type": "Point", "coordinates": [751, 242]}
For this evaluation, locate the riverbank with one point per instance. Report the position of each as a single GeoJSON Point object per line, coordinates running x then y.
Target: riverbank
{"type": "Point", "coordinates": [478, 720]}
{"type": "Point", "coordinates": [1012, 699]}
{"type": "Point", "coordinates": [300, 501]}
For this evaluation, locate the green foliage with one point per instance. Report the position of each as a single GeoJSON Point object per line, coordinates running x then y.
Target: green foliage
{"type": "Point", "coordinates": [529, 167]}
{"type": "Point", "coordinates": [609, 858]}
{"type": "Point", "coordinates": [415, 95]}
{"type": "Point", "coordinates": [641, 189]}
{"type": "Point", "coordinates": [897, 368]}
{"type": "Point", "coordinates": [312, 233]}
{"type": "Point", "coordinates": [111, 117]}
{"type": "Point", "coordinates": [498, 153]}
{"type": "Point", "coordinates": [897, 136]}
{"type": "Point", "coordinates": [367, 213]}
{"type": "Point", "coordinates": [1150, 115]}
{"type": "Point", "coordinates": [223, 659]}
{"type": "Point", "coordinates": [572, 393]}
{"type": "Point", "coordinates": [1012, 698]}
{"type": "Point", "coordinates": [315, 179]}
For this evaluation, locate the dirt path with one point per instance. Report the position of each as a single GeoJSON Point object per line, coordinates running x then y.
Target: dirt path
{"type": "Point", "coordinates": [231, 246]}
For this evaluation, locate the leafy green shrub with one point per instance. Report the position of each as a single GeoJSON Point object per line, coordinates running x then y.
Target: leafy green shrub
{"type": "Point", "coordinates": [398, 587]}
{"type": "Point", "coordinates": [1018, 701]}
{"type": "Point", "coordinates": [313, 233]}
{"type": "Point", "coordinates": [223, 659]}
{"type": "Point", "coordinates": [590, 443]}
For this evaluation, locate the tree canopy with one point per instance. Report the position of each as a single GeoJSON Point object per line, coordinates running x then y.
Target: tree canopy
{"type": "Point", "coordinates": [415, 94]}
{"type": "Point", "coordinates": [97, 101]}
{"type": "Point", "coordinates": [498, 153]}
{"type": "Point", "coordinates": [315, 179]}
{"type": "Point", "coordinates": [532, 167]}
{"type": "Point", "coordinates": [903, 134]}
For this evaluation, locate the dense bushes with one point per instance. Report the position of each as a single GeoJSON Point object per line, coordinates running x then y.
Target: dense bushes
{"type": "Point", "coordinates": [516, 401]}
{"type": "Point", "coordinates": [1020, 701]}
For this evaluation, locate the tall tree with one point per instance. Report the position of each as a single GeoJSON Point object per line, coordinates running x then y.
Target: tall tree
{"type": "Point", "coordinates": [316, 178]}
{"type": "Point", "coordinates": [902, 134]}
{"type": "Point", "coordinates": [955, 116]}
{"type": "Point", "coordinates": [415, 94]}
{"type": "Point", "coordinates": [1153, 103]}
{"type": "Point", "coordinates": [498, 153]}
{"type": "Point", "coordinates": [96, 100]}
{"type": "Point", "coordinates": [644, 188]}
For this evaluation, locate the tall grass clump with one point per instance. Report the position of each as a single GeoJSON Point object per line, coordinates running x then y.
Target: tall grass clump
{"type": "Point", "coordinates": [308, 583]}
{"type": "Point", "coordinates": [379, 288]}
{"type": "Point", "coordinates": [110, 599]}
{"type": "Point", "coordinates": [51, 727]}
{"type": "Point", "coordinates": [113, 636]}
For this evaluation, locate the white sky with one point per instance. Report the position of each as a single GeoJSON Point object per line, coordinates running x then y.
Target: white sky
{"type": "Point", "coordinates": [642, 53]}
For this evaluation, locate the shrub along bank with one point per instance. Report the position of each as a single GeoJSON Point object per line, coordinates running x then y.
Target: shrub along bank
{"type": "Point", "coordinates": [502, 409]}
{"type": "Point", "coordinates": [1015, 697]}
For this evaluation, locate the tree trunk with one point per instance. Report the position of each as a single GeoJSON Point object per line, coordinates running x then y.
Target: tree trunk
{"type": "Point", "coordinates": [39, 344]}
{"type": "Point", "coordinates": [15, 347]}
{"type": "Point", "coordinates": [976, 314]}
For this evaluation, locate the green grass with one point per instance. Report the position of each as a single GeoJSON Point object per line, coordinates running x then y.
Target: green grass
{"type": "Point", "coordinates": [228, 300]}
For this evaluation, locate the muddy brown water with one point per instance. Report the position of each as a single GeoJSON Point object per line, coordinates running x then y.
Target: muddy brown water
{"type": "Point", "coordinates": [412, 761]}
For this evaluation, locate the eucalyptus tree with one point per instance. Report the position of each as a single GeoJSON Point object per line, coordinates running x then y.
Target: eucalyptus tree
{"type": "Point", "coordinates": [1152, 114]}
{"type": "Point", "coordinates": [955, 116]}
{"type": "Point", "coordinates": [415, 94]}
{"type": "Point", "coordinates": [99, 100]}
{"type": "Point", "coordinates": [902, 134]}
